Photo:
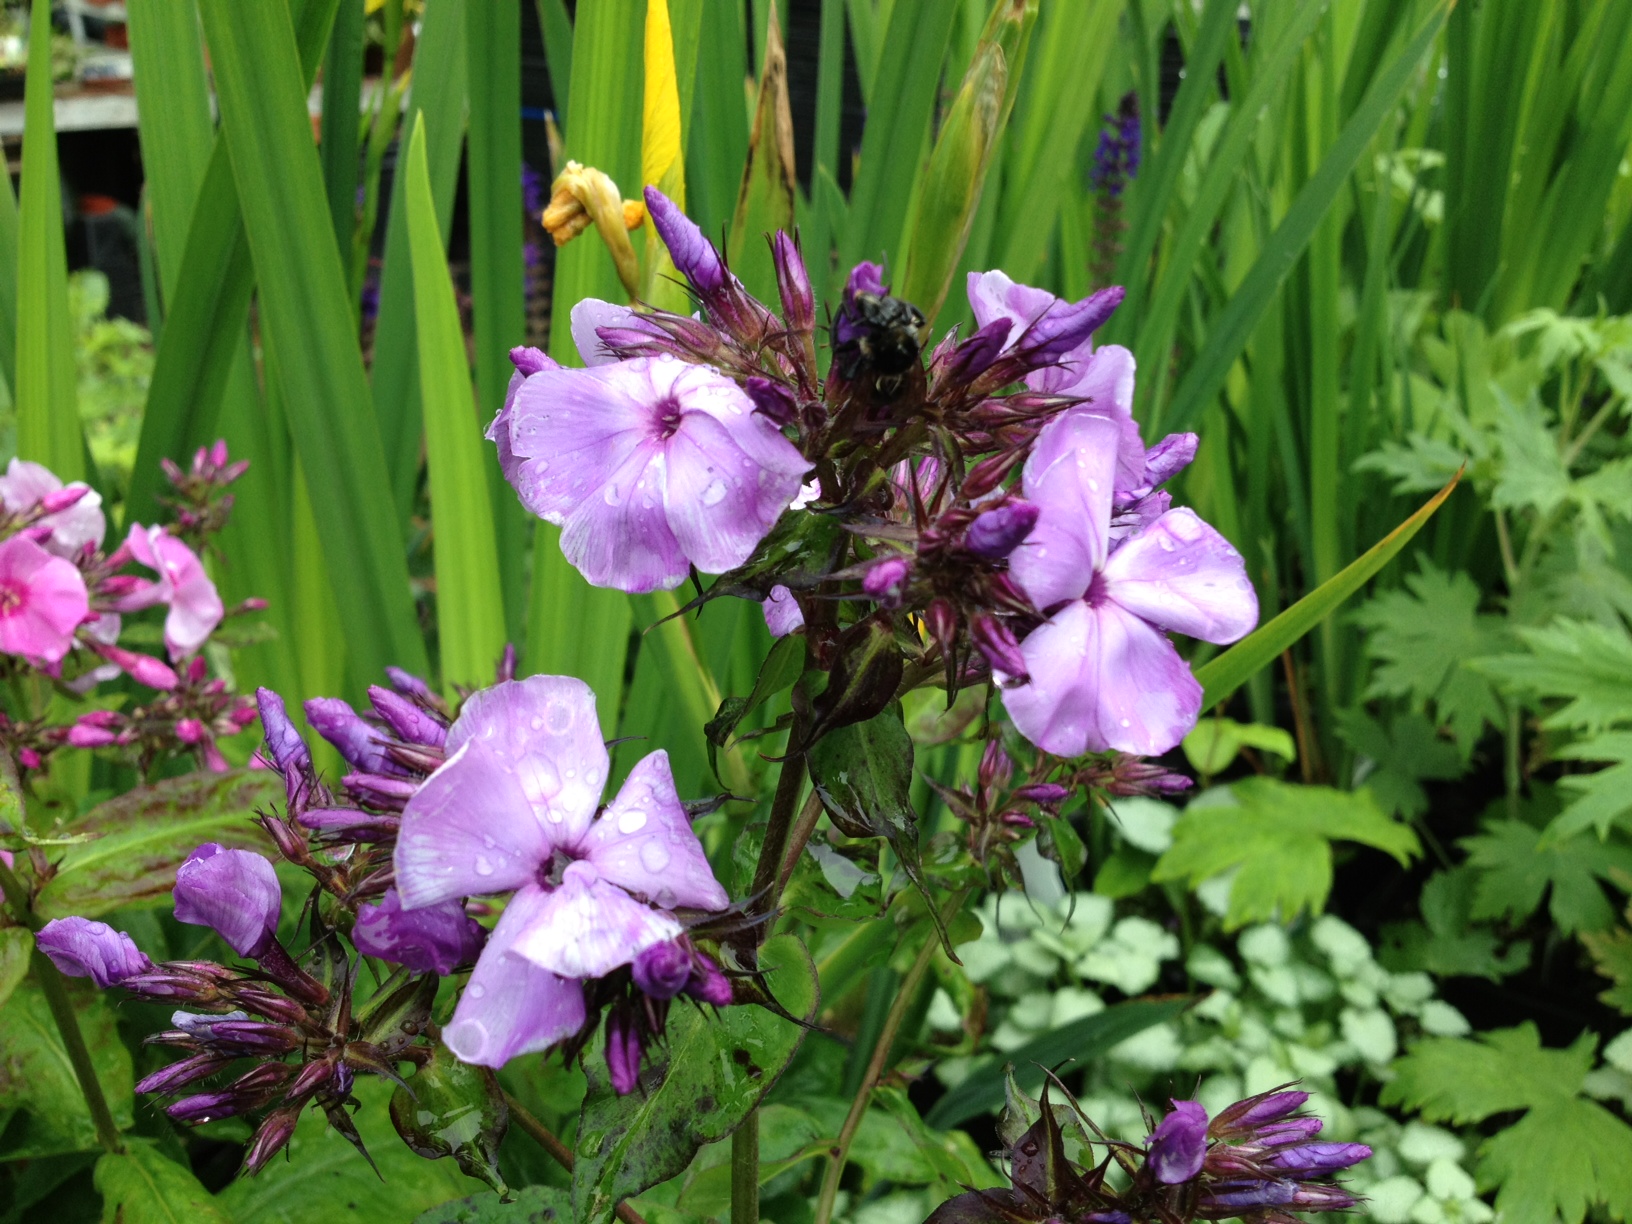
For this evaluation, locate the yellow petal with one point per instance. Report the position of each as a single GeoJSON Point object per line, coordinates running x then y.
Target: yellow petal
{"type": "Point", "coordinates": [660, 150]}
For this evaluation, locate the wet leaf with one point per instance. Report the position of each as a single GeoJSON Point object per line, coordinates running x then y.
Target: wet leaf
{"type": "Point", "coordinates": [719, 1066]}
{"type": "Point", "coordinates": [451, 1108]}
{"type": "Point", "coordinates": [144, 835]}
{"type": "Point", "coordinates": [534, 1205]}
{"type": "Point", "coordinates": [141, 1185]}
{"type": "Point", "coordinates": [15, 946]}
{"type": "Point", "coordinates": [863, 681]}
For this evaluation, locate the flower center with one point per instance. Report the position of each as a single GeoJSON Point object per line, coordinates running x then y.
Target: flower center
{"type": "Point", "coordinates": [668, 418]}
{"type": "Point", "coordinates": [11, 599]}
{"type": "Point", "coordinates": [1098, 590]}
{"type": "Point", "coordinates": [551, 871]}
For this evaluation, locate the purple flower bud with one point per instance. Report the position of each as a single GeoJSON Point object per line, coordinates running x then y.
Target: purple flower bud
{"type": "Point", "coordinates": [351, 824]}
{"type": "Point", "coordinates": [663, 969]}
{"type": "Point", "coordinates": [996, 641]}
{"type": "Point", "coordinates": [272, 1137]}
{"type": "Point", "coordinates": [81, 736]}
{"type": "Point", "coordinates": [207, 1106]}
{"type": "Point", "coordinates": [772, 399]}
{"type": "Point", "coordinates": [270, 1004]}
{"type": "Point", "coordinates": [407, 719]}
{"type": "Point", "coordinates": [709, 983]}
{"type": "Point", "coordinates": [408, 684]}
{"type": "Point", "coordinates": [995, 767]}
{"type": "Point", "coordinates": [180, 1074]}
{"type": "Point", "coordinates": [1229, 1198]}
{"type": "Point", "coordinates": [310, 1078]}
{"type": "Point", "coordinates": [997, 532]}
{"type": "Point", "coordinates": [435, 939]}
{"type": "Point", "coordinates": [1178, 1145]}
{"type": "Point", "coordinates": [530, 360]}
{"type": "Point", "coordinates": [1045, 793]}
{"type": "Point", "coordinates": [254, 1038]}
{"type": "Point", "coordinates": [694, 255]}
{"type": "Point", "coordinates": [1317, 1159]}
{"type": "Point", "coordinates": [1323, 1198]}
{"type": "Point", "coordinates": [1256, 1111]}
{"type": "Point", "coordinates": [1068, 326]}
{"type": "Point", "coordinates": [198, 1024]}
{"type": "Point", "coordinates": [885, 580]}
{"type": "Point", "coordinates": [376, 788]}
{"type": "Point", "coordinates": [623, 1052]}
{"type": "Point", "coordinates": [80, 947]}
{"type": "Point", "coordinates": [1295, 1130]}
{"type": "Point", "coordinates": [1169, 457]}
{"type": "Point", "coordinates": [969, 360]}
{"type": "Point", "coordinates": [235, 892]}
{"type": "Point", "coordinates": [793, 283]}
{"type": "Point", "coordinates": [360, 744]}
{"type": "Point", "coordinates": [1107, 1217]}
{"type": "Point", "coordinates": [289, 751]}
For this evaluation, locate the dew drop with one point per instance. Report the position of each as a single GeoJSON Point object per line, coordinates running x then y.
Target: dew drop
{"type": "Point", "coordinates": [654, 856]}
{"type": "Point", "coordinates": [483, 866]}
{"type": "Point", "coordinates": [1127, 723]}
{"type": "Point", "coordinates": [1167, 544]}
{"type": "Point", "coordinates": [715, 493]}
{"type": "Point", "coordinates": [632, 821]}
{"type": "Point", "coordinates": [477, 990]}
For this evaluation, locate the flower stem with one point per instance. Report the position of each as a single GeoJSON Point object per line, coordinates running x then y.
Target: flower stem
{"type": "Point", "coordinates": [875, 1067]}
{"type": "Point", "coordinates": [558, 1151]}
{"type": "Point", "coordinates": [767, 872]}
{"type": "Point", "coordinates": [62, 1011]}
{"type": "Point", "coordinates": [745, 1171]}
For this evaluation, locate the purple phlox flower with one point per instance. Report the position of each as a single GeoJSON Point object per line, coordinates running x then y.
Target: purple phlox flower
{"type": "Point", "coordinates": [514, 808]}
{"type": "Point", "coordinates": [411, 721]}
{"type": "Point", "coordinates": [80, 947]}
{"type": "Point", "coordinates": [435, 939]}
{"type": "Point", "coordinates": [42, 601]}
{"type": "Point", "coordinates": [1169, 457]}
{"type": "Point", "coordinates": [234, 892]}
{"type": "Point", "coordinates": [195, 605]}
{"type": "Point", "coordinates": [361, 744]}
{"type": "Point", "coordinates": [1103, 673]}
{"type": "Point", "coordinates": [782, 613]}
{"type": "Point", "coordinates": [1044, 327]}
{"type": "Point", "coordinates": [527, 361]}
{"type": "Point", "coordinates": [997, 532]}
{"type": "Point", "coordinates": [29, 486]}
{"type": "Point", "coordinates": [1178, 1145]}
{"type": "Point", "coordinates": [650, 466]}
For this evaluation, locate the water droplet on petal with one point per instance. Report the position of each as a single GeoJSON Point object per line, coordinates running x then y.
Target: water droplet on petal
{"type": "Point", "coordinates": [715, 493]}
{"type": "Point", "coordinates": [483, 866]}
{"type": "Point", "coordinates": [632, 821]}
{"type": "Point", "coordinates": [654, 856]}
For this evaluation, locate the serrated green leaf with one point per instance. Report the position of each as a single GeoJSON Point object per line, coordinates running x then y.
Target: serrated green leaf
{"type": "Point", "coordinates": [1421, 638]}
{"type": "Point", "coordinates": [719, 1066]}
{"type": "Point", "coordinates": [1400, 757]}
{"type": "Point", "coordinates": [142, 836]}
{"type": "Point", "coordinates": [1586, 665]}
{"type": "Point", "coordinates": [1564, 1155]}
{"type": "Point", "coordinates": [141, 1185]}
{"type": "Point", "coordinates": [1446, 942]}
{"type": "Point", "coordinates": [1278, 837]}
{"type": "Point", "coordinates": [1519, 864]}
{"type": "Point", "coordinates": [1612, 956]}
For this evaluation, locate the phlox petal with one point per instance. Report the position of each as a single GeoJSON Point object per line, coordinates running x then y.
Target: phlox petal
{"type": "Point", "coordinates": [620, 537]}
{"type": "Point", "coordinates": [588, 927]}
{"type": "Point", "coordinates": [42, 601]}
{"type": "Point", "coordinates": [1182, 575]}
{"type": "Point", "coordinates": [644, 843]}
{"type": "Point", "coordinates": [1069, 476]}
{"type": "Point", "coordinates": [570, 430]}
{"type": "Point", "coordinates": [1101, 679]}
{"type": "Point", "coordinates": [592, 313]}
{"type": "Point", "coordinates": [1104, 377]}
{"type": "Point", "coordinates": [510, 1006]}
{"type": "Point", "coordinates": [720, 503]}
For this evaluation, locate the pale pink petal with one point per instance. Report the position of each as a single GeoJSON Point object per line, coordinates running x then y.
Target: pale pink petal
{"type": "Point", "coordinates": [1182, 575]}
{"type": "Point", "coordinates": [543, 734]}
{"type": "Point", "coordinates": [590, 314]}
{"type": "Point", "coordinates": [588, 927]}
{"type": "Point", "coordinates": [644, 843]}
{"type": "Point", "coordinates": [570, 430]}
{"type": "Point", "coordinates": [721, 503]}
{"type": "Point", "coordinates": [468, 830]}
{"type": "Point", "coordinates": [195, 605]}
{"type": "Point", "coordinates": [1102, 679]}
{"type": "Point", "coordinates": [510, 1006]}
{"type": "Point", "coordinates": [26, 484]}
{"type": "Point", "coordinates": [1069, 477]}
{"type": "Point", "coordinates": [620, 537]}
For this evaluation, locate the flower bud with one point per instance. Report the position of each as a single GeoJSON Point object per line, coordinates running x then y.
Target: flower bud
{"type": "Point", "coordinates": [995, 767]}
{"type": "Point", "coordinates": [435, 939]}
{"type": "Point", "coordinates": [771, 399]}
{"type": "Point", "coordinates": [530, 361]}
{"type": "Point", "coordinates": [886, 579]}
{"type": "Point", "coordinates": [623, 1052]}
{"type": "Point", "coordinates": [408, 684]}
{"type": "Point", "coordinates": [179, 1074]}
{"type": "Point", "coordinates": [272, 1137]}
{"type": "Point", "coordinates": [663, 969]}
{"type": "Point", "coordinates": [208, 1106]}
{"type": "Point", "coordinates": [1317, 1159]}
{"type": "Point", "coordinates": [235, 892]}
{"type": "Point", "coordinates": [1178, 1145]}
{"type": "Point", "coordinates": [62, 499]}
{"type": "Point", "coordinates": [1045, 793]}
{"type": "Point", "coordinates": [189, 730]}
{"type": "Point", "coordinates": [80, 947]}
{"type": "Point", "coordinates": [709, 983]}
{"type": "Point", "coordinates": [694, 255]}
{"type": "Point", "coordinates": [997, 532]}
{"type": "Point", "coordinates": [360, 744]}
{"type": "Point", "coordinates": [82, 736]}
{"type": "Point", "coordinates": [793, 283]}
{"type": "Point", "coordinates": [996, 641]}
{"type": "Point", "coordinates": [407, 719]}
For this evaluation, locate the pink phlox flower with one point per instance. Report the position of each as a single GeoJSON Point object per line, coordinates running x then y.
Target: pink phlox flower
{"type": "Point", "coordinates": [25, 485]}
{"type": "Point", "coordinates": [1103, 673]}
{"type": "Point", "coordinates": [514, 808]}
{"type": "Point", "coordinates": [195, 605]}
{"type": "Point", "coordinates": [650, 466]}
{"type": "Point", "coordinates": [43, 600]}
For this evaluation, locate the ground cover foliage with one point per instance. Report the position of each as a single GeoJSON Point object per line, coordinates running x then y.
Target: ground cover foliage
{"type": "Point", "coordinates": [1369, 249]}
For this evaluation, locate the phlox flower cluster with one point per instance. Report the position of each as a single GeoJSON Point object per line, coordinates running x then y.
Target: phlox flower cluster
{"type": "Point", "coordinates": [63, 601]}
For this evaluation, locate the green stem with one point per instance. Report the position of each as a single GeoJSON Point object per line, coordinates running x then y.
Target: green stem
{"type": "Point", "coordinates": [875, 1067]}
{"type": "Point", "coordinates": [62, 1011]}
{"type": "Point", "coordinates": [763, 896]}
{"type": "Point", "coordinates": [745, 1171]}
{"type": "Point", "coordinates": [558, 1151]}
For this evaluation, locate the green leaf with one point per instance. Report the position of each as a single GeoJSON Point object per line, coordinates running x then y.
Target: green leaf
{"type": "Point", "coordinates": [719, 1066]}
{"type": "Point", "coordinates": [1397, 759]}
{"type": "Point", "coordinates": [141, 1185]}
{"type": "Point", "coordinates": [48, 428]}
{"type": "Point", "coordinates": [450, 1108]}
{"type": "Point", "coordinates": [1422, 637]}
{"type": "Point", "coordinates": [1058, 841]}
{"type": "Point", "coordinates": [308, 325]}
{"type": "Point", "coordinates": [469, 603]}
{"type": "Point", "coordinates": [770, 186]}
{"type": "Point", "coordinates": [1221, 676]}
{"type": "Point", "coordinates": [1612, 956]}
{"type": "Point", "coordinates": [325, 1179]}
{"type": "Point", "coordinates": [533, 1205]}
{"type": "Point", "coordinates": [37, 1077]}
{"type": "Point", "coordinates": [1519, 864]}
{"type": "Point", "coordinates": [16, 945]}
{"type": "Point", "coordinates": [1585, 664]}
{"type": "Point", "coordinates": [342, 119]}
{"type": "Point", "coordinates": [1602, 798]}
{"type": "Point", "coordinates": [1216, 742]}
{"type": "Point", "coordinates": [1564, 1155]}
{"type": "Point", "coordinates": [141, 837]}
{"type": "Point", "coordinates": [1083, 1041]}
{"type": "Point", "coordinates": [1446, 942]}
{"type": "Point", "coordinates": [1277, 836]}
